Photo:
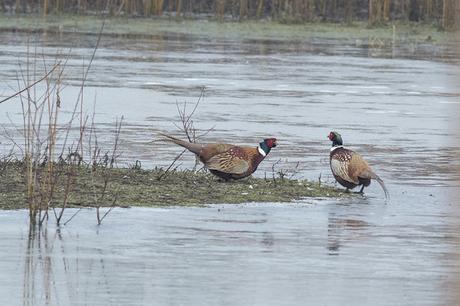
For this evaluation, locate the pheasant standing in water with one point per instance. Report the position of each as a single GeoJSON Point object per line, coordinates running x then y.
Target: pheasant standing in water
{"type": "Point", "coordinates": [228, 161]}
{"type": "Point", "coordinates": [349, 168]}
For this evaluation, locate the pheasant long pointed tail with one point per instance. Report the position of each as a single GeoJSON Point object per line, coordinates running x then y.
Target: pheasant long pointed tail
{"type": "Point", "coordinates": [193, 147]}
{"type": "Point", "coordinates": [370, 174]}
{"type": "Point", "coordinates": [380, 181]}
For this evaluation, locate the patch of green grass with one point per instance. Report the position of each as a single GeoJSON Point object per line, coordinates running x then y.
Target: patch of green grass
{"type": "Point", "coordinates": [229, 30]}
{"type": "Point", "coordinates": [153, 188]}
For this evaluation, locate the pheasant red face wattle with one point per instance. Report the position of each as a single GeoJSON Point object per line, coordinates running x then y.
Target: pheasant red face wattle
{"type": "Point", "coordinates": [271, 142]}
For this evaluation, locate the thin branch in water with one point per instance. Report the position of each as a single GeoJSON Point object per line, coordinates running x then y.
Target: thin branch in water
{"type": "Point", "coordinates": [74, 214]}
{"type": "Point", "coordinates": [99, 222]}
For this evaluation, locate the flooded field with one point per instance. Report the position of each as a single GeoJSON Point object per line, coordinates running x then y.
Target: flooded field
{"type": "Point", "coordinates": [395, 105]}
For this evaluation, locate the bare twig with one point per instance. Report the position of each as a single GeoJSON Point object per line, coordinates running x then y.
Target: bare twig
{"type": "Point", "coordinates": [80, 93]}
{"type": "Point", "coordinates": [164, 174]}
{"type": "Point", "coordinates": [31, 85]}
{"type": "Point", "coordinates": [186, 119]}
{"type": "Point", "coordinates": [106, 173]}
{"type": "Point", "coordinates": [187, 126]}
{"type": "Point", "coordinates": [273, 170]}
{"type": "Point", "coordinates": [295, 171]}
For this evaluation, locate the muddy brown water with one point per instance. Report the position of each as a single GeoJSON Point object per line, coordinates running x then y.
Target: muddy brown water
{"type": "Point", "coordinates": [396, 106]}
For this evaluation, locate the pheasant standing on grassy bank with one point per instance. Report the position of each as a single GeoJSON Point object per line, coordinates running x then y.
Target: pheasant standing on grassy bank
{"type": "Point", "coordinates": [228, 161]}
{"type": "Point", "coordinates": [349, 168]}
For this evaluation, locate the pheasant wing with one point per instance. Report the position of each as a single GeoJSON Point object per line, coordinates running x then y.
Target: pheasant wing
{"type": "Point", "coordinates": [340, 166]}
{"type": "Point", "coordinates": [228, 162]}
{"type": "Point", "coordinates": [358, 167]}
{"type": "Point", "coordinates": [213, 149]}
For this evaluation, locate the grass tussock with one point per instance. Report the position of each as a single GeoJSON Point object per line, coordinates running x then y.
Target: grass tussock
{"type": "Point", "coordinates": [152, 188]}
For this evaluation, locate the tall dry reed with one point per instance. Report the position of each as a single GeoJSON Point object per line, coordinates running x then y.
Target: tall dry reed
{"type": "Point", "coordinates": [374, 11]}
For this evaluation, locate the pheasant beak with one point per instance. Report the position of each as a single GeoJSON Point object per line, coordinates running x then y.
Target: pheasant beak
{"type": "Point", "coordinates": [275, 143]}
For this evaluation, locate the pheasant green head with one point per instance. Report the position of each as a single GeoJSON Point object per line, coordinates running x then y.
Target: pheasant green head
{"type": "Point", "coordinates": [335, 138]}
{"type": "Point", "coordinates": [266, 145]}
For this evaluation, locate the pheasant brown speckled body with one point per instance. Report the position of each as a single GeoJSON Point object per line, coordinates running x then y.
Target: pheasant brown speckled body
{"type": "Point", "coordinates": [349, 168]}
{"type": "Point", "coordinates": [228, 161]}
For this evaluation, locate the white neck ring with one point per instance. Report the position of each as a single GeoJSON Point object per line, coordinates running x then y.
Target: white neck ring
{"type": "Point", "coordinates": [336, 147]}
{"type": "Point", "coordinates": [262, 152]}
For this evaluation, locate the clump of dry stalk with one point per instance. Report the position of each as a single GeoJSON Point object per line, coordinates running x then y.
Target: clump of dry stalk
{"type": "Point", "coordinates": [285, 172]}
{"type": "Point", "coordinates": [186, 127]}
{"type": "Point", "coordinates": [40, 111]}
{"type": "Point", "coordinates": [52, 152]}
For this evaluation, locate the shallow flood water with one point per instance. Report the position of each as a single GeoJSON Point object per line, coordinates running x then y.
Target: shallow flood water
{"type": "Point", "coordinates": [396, 107]}
{"type": "Point", "coordinates": [327, 252]}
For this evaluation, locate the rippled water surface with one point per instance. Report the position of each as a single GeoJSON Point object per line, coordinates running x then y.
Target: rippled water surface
{"type": "Point", "coordinates": [396, 106]}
